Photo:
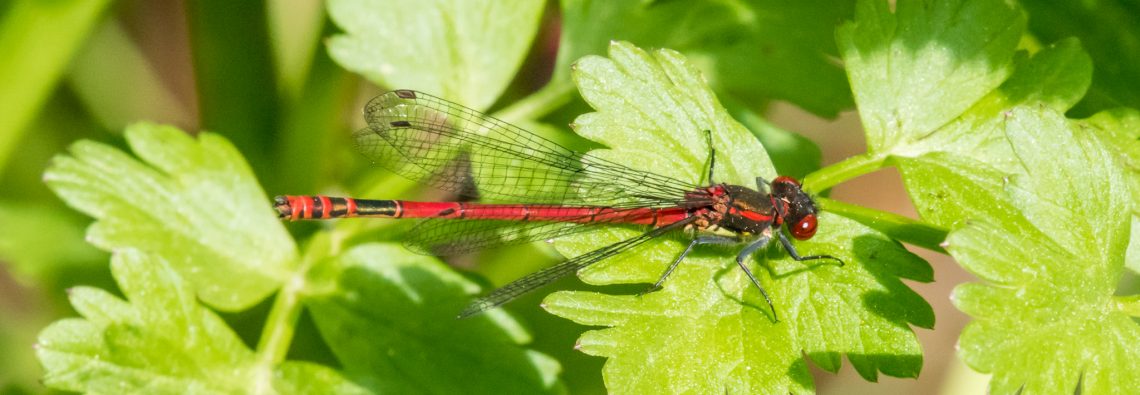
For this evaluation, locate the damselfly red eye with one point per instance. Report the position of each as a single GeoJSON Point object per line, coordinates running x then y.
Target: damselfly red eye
{"type": "Point", "coordinates": [786, 179]}
{"type": "Point", "coordinates": [805, 228]}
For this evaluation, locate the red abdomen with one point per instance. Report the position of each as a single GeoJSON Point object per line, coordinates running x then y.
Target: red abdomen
{"type": "Point", "coordinates": [325, 207]}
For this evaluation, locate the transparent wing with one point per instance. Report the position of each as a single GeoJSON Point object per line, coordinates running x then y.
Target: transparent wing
{"type": "Point", "coordinates": [448, 146]}
{"type": "Point", "coordinates": [445, 236]}
{"type": "Point", "coordinates": [546, 276]}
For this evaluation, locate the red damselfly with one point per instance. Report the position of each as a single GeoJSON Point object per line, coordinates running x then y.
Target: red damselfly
{"type": "Point", "coordinates": [446, 145]}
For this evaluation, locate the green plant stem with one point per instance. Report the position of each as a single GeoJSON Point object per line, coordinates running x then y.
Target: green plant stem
{"type": "Point", "coordinates": [551, 97]}
{"type": "Point", "coordinates": [849, 168]}
{"type": "Point", "coordinates": [282, 321]}
{"type": "Point", "coordinates": [896, 226]}
{"type": "Point", "coordinates": [277, 335]}
{"type": "Point", "coordinates": [1128, 304]}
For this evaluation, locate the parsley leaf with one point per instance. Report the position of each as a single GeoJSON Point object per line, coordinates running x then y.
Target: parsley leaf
{"type": "Point", "coordinates": [463, 50]}
{"type": "Point", "coordinates": [1046, 320]}
{"type": "Point", "coordinates": [708, 330]}
{"type": "Point", "coordinates": [160, 340]}
{"type": "Point", "coordinates": [193, 202]}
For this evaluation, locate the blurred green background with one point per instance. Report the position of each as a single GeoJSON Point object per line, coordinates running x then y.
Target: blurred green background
{"type": "Point", "coordinates": [260, 73]}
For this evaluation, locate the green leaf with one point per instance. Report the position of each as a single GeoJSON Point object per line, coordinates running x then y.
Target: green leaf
{"type": "Point", "coordinates": [309, 378]}
{"type": "Point", "coordinates": [193, 202]}
{"type": "Point", "coordinates": [1119, 131]}
{"type": "Point", "coordinates": [915, 70]}
{"type": "Point", "coordinates": [463, 50]}
{"type": "Point", "coordinates": [934, 81]}
{"type": "Point", "coordinates": [1132, 258]}
{"type": "Point", "coordinates": [660, 347]}
{"type": "Point", "coordinates": [649, 102]}
{"type": "Point", "coordinates": [1056, 77]}
{"type": "Point", "coordinates": [160, 340]}
{"type": "Point", "coordinates": [755, 50]}
{"type": "Point", "coordinates": [709, 330]}
{"type": "Point", "coordinates": [390, 318]}
{"type": "Point", "coordinates": [950, 172]}
{"type": "Point", "coordinates": [1072, 171]}
{"type": "Point", "coordinates": [1109, 29]}
{"type": "Point", "coordinates": [971, 157]}
{"type": "Point", "coordinates": [950, 191]}
{"type": "Point", "coordinates": [1049, 323]}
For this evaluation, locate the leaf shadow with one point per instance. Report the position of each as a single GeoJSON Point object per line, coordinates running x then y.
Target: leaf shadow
{"type": "Point", "coordinates": [804, 269]}
{"type": "Point", "coordinates": [869, 365]}
{"type": "Point", "coordinates": [762, 308]}
{"type": "Point", "coordinates": [950, 25]}
{"type": "Point", "coordinates": [885, 260]}
{"type": "Point", "coordinates": [888, 262]}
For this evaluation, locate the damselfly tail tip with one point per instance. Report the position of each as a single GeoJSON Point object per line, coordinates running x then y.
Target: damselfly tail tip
{"type": "Point", "coordinates": [283, 207]}
{"type": "Point", "coordinates": [467, 312]}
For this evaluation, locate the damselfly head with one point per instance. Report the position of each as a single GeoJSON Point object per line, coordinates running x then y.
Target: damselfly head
{"type": "Point", "coordinates": [800, 215]}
